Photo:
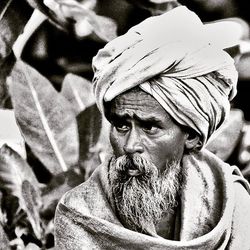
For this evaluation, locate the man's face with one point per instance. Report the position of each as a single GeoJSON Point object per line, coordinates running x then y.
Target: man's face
{"type": "Point", "coordinates": [145, 172]}
{"type": "Point", "coordinates": [141, 125]}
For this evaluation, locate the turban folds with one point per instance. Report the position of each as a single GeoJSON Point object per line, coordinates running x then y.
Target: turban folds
{"type": "Point", "coordinates": [174, 58]}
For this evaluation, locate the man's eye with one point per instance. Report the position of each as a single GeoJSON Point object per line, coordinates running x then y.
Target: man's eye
{"type": "Point", "coordinates": [121, 127]}
{"type": "Point", "coordinates": [150, 129]}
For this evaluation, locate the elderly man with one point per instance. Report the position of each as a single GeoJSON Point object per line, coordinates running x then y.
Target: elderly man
{"type": "Point", "coordinates": [165, 87]}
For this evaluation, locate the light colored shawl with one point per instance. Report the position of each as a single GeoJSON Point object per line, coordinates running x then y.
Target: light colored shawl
{"type": "Point", "coordinates": [214, 212]}
{"type": "Point", "coordinates": [178, 60]}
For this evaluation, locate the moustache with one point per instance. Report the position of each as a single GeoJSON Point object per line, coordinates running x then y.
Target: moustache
{"type": "Point", "coordinates": [135, 165]}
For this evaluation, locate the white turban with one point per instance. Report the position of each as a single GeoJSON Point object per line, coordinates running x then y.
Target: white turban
{"type": "Point", "coordinates": [174, 58]}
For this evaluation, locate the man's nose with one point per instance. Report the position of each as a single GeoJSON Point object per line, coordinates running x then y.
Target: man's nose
{"type": "Point", "coordinates": [133, 143]}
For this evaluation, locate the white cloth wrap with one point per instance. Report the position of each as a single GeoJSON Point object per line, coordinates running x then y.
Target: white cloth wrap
{"type": "Point", "coordinates": [175, 59]}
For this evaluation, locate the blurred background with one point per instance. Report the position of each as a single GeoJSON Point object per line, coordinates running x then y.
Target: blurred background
{"type": "Point", "coordinates": [52, 135]}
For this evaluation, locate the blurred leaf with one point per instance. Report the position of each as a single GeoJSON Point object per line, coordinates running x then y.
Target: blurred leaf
{"type": "Point", "coordinates": [13, 171]}
{"type": "Point", "coordinates": [32, 203]}
{"type": "Point", "coordinates": [103, 27]}
{"type": "Point", "coordinates": [39, 4]}
{"type": "Point", "coordinates": [89, 164]}
{"type": "Point", "coordinates": [243, 151]}
{"type": "Point", "coordinates": [243, 66]}
{"type": "Point", "coordinates": [19, 231]}
{"type": "Point", "coordinates": [226, 139]}
{"type": "Point", "coordinates": [6, 67]}
{"type": "Point", "coordinates": [15, 179]}
{"type": "Point", "coordinates": [10, 133]}
{"type": "Point", "coordinates": [246, 172]}
{"type": "Point", "coordinates": [13, 16]}
{"type": "Point", "coordinates": [36, 20]}
{"type": "Point", "coordinates": [104, 142]}
{"type": "Point", "coordinates": [58, 186]}
{"type": "Point", "coordinates": [4, 241]}
{"type": "Point", "coordinates": [46, 119]}
{"type": "Point", "coordinates": [32, 246]}
{"type": "Point", "coordinates": [89, 127]}
{"type": "Point", "coordinates": [17, 243]}
{"type": "Point", "coordinates": [156, 7]}
{"type": "Point", "coordinates": [3, 214]}
{"type": "Point", "coordinates": [78, 91]}
{"type": "Point", "coordinates": [85, 21]}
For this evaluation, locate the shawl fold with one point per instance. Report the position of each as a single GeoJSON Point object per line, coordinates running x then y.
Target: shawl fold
{"type": "Point", "coordinates": [214, 212]}
{"type": "Point", "coordinates": [177, 59]}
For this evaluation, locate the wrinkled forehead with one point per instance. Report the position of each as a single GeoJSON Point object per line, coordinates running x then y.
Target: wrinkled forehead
{"type": "Point", "coordinates": [136, 102]}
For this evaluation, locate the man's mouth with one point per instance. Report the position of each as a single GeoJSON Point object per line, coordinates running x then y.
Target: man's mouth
{"type": "Point", "coordinates": [130, 167]}
{"type": "Point", "coordinates": [134, 172]}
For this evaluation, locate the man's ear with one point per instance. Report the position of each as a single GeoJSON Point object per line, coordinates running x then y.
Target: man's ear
{"type": "Point", "coordinates": [192, 141]}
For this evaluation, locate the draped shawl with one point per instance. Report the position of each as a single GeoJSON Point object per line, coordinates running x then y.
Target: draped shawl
{"type": "Point", "coordinates": [179, 61]}
{"type": "Point", "coordinates": [213, 212]}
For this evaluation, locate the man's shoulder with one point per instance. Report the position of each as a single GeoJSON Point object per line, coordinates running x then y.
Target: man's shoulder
{"type": "Point", "coordinates": [215, 163]}
{"type": "Point", "coordinates": [83, 190]}
{"type": "Point", "coordinates": [240, 230]}
{"type": "Point", "coordinates": [77, 198]}
{"type": "Point", "coordinates": [90, 197]}
{"type": "Point", "coordinates": [241, 191]}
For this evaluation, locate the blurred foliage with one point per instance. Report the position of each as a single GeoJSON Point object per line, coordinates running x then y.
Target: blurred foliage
{"type": "Point", "coordinates": [56, 127]}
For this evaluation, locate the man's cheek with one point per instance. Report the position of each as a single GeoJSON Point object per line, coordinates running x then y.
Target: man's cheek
{"type": "Point", "coordinates": [116, 143]}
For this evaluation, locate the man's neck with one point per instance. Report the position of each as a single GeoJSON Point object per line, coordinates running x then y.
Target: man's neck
{"type": "Point", "coordinates": [166, 227]}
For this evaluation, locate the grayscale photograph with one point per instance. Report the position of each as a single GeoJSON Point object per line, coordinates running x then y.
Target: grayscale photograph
{"type": "Point", "coordinates": [124, 125]}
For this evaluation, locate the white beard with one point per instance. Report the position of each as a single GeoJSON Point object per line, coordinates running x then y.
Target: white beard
{"type": "Point", "coordinates": [141, 200]}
